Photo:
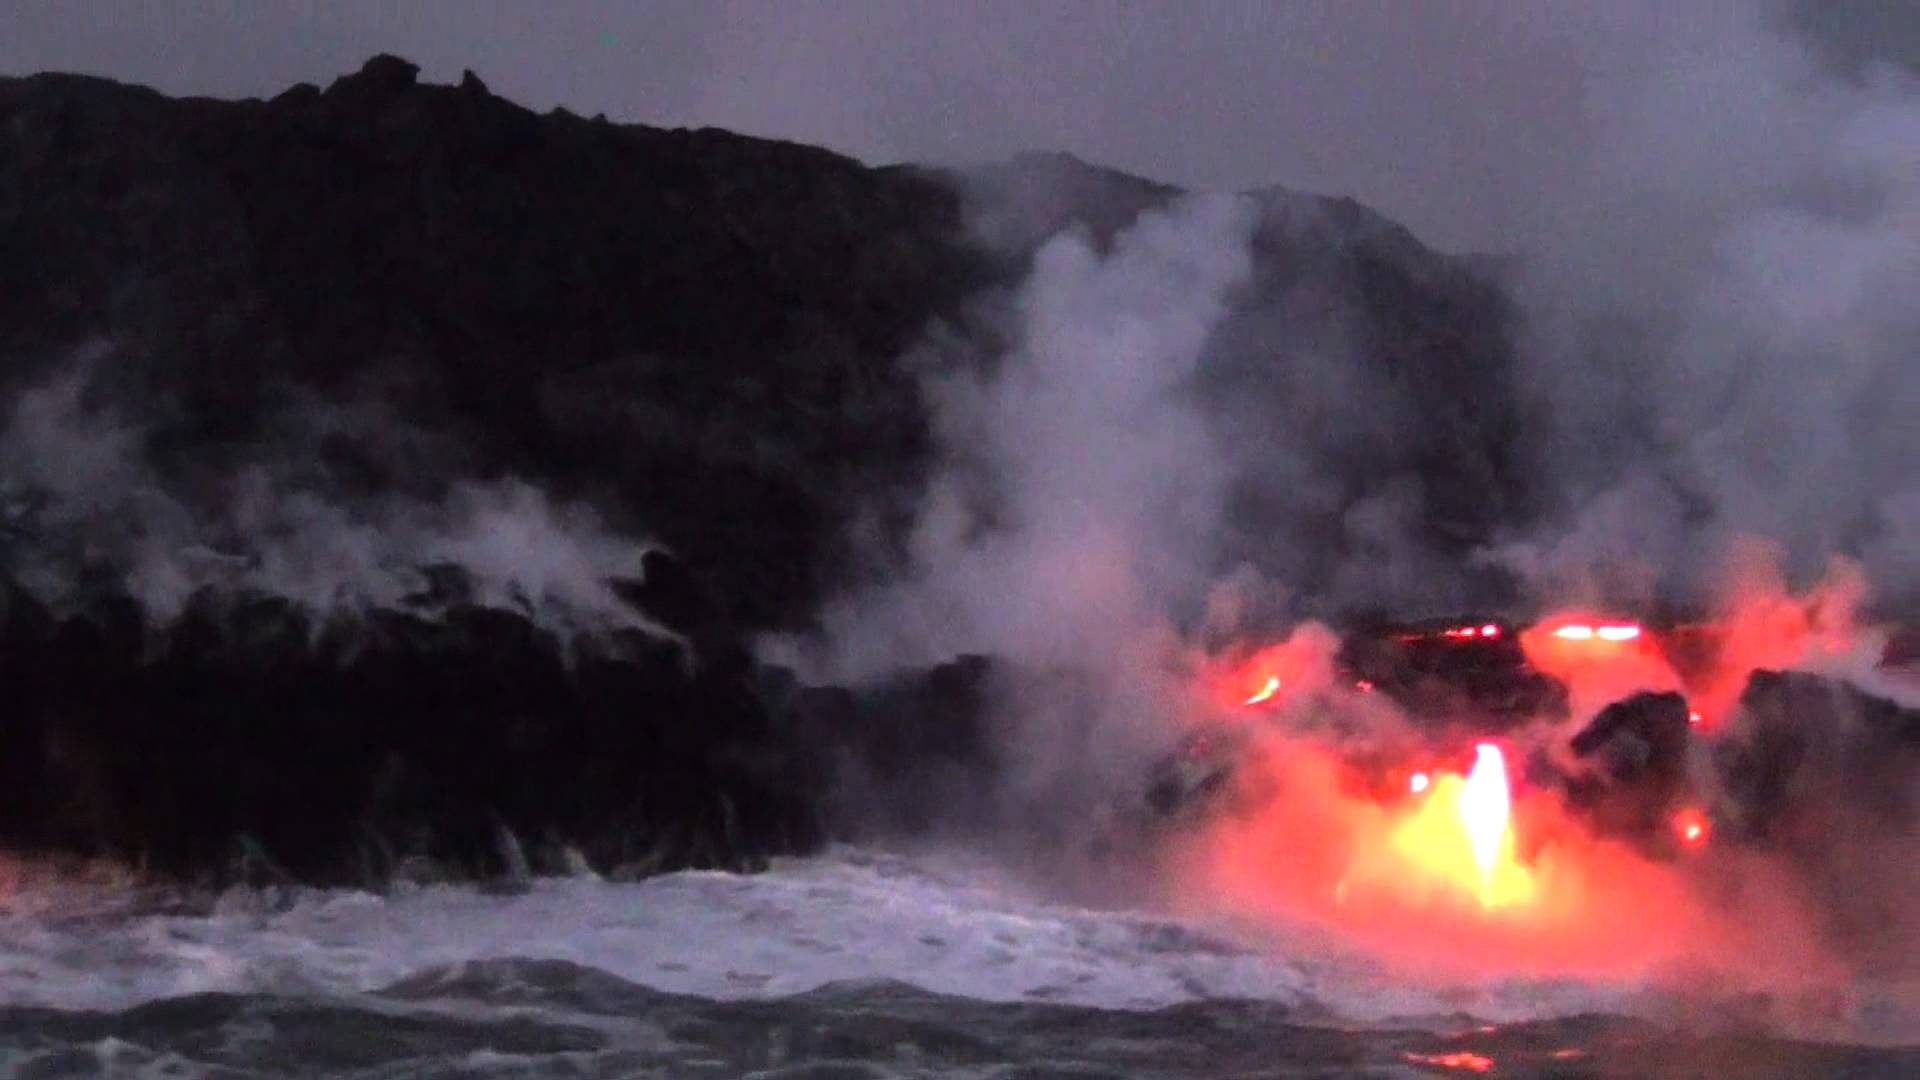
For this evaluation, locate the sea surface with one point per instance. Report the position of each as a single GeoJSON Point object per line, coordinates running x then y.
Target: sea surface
{"type": "Point", "coordinates": [856, 963]}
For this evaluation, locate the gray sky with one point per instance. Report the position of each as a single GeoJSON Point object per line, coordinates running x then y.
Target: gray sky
{"type": "Point", "coordinates": [1451, 117]}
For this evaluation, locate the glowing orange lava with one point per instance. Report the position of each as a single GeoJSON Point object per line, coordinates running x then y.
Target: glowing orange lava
{"type": "Point", "coordinates": [1485, 806]}
{"type": "Point", "coordinates": [1599, 661]}
{"type": "Point", "coordinates": [1271, 673]}
{"type": "Point", "coordinates": [1463, 1060]}
{"type": "Point", "coordinates": [1463, 833]}
{"type": "Point", "coordinates": [1691, 826]}
{"type": "Point", "coordinates": [1265, 692]}
{"type": "Point", "coordinates": [1456, 839]}
{"type": "Point", "coordinates": [1456, 867]}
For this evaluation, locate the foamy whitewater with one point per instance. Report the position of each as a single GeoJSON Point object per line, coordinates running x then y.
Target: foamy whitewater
{"type": "Point", "coordinates": [242, 979]}
{"type": "Point", "coordinates": [945, 923]}
{"type": "Point", "coordinates": [1719, 284]}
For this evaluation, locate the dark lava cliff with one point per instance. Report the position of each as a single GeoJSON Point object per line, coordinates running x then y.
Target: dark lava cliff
{"type": "Point", "coordinates": [701, 332]}
{"type": "Point", "coordinates": [703, 337]}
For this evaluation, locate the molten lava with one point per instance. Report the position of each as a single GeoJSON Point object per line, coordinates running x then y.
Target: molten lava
{"type": "Point", "coordinates": [1266, 692]}
{"type": "Point", "coordinates": [1464, 833]}
{"type": "Point", "coordinates": [1453, 866]}
{"type": "Point", "coordinates": [1459, 1060]}
{"type": "Point", "coordinates": [1460, 837]}
{"type": "Point", "coordinates": [1269, 674]}
{"type": "Point", "coordinates": [1485, 806]}
{"type": "Point", "coordinates": [1691, 827]}
{"type": "Point", "coordinates": [1757, 622]}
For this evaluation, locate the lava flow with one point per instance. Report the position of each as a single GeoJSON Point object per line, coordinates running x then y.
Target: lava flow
{"type": "Point", "coordinates": [1450, 862]}
{"type": "Point", "coordinates": [1266, 691]}
{"type": "Point", "coordinates": [1462, 834]}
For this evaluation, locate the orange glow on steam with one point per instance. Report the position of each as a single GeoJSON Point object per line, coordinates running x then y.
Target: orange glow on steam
{"type": "Point", "coordinates": [1459, 1060]}
{"type": "Point", "coordinates": [1691, 826]}
{"type": "Point", "coordinates": [1266, 691]}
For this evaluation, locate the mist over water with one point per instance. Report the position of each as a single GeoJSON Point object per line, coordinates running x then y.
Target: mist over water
{"type": "Point", "coordinates": [1714, 362]}
{"type": "Point", "coordinates": [1713, 370]}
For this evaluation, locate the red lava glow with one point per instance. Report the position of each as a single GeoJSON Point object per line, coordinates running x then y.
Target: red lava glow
{"type": "Point", "coordinates": [1458, 838]}
{"type": "Point", "coordinates": [1266, 692]}
{"type": "Point", "coordinates": [1599, 661]}
{"type": "Point", "coordinates": [1459, 1060]}
{"type": "Point", "coordinates": [1461, 865]}
{"type": "Point", "coordinates": [1604, 632]}
{"type": "Point", "coordinates": [1692, 827]}
{"type": "Point", "coordinates": [1757, 623]}
{"type": "Point", "coordinates": [1438, 882]}
{"type": "Point", "coordinates": [1259, 676]}
{"type": "Point", "coordinates": [1761, 623]}
{"type": "Point", "coordinates": [1485, 806]}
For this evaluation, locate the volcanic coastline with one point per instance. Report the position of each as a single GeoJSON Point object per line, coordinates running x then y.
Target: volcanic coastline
{"type": "Point", "coordinates": [385, 293]}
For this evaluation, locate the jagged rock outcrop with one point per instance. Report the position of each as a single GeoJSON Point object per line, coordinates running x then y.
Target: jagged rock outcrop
{"type": "Point", "coordinates": [248, 740]}
{"type": "Point", "coordinates": [699, 327]}
{"type": "Point", "coordinates": [1810, 753]}
{"type": "Point", "coordinates": [912, 752]}
{"type": "Point", "coordinates": [1636, 749]}
{"type": "Point", "coordinates": [705, 337]}
{"type": "Point", "coordinates": [702, 333]}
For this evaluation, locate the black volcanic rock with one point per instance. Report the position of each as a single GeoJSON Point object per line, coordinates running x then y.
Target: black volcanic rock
{"type": "Point", "coordinates": [1821, 774]}
{"type": "Point", "coordinates": [700, 332]}
{"type": "Point", "coordinates": [704, 337]}
{"type": "Point", "coordinates": [244, 739]}
{"type": "Point", "coordinates": [1638, 749]}
{"type": "Point", "coordinates": [911, 753]}
{"type": "Point", "coordinates": [694, 326]}
{"type": "Point", "coordinates": [1807, 748]}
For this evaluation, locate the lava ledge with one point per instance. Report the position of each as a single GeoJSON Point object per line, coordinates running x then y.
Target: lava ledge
{"type": "Point", "coordinates": [247, 740]}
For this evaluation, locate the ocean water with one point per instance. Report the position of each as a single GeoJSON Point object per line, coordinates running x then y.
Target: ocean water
{"type": "Point", "coordinates": [854, 963]}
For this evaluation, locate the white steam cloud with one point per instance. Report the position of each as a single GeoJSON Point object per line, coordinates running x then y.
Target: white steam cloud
{"type": "Point", "coordinates": [1082, 484]}
{"type": "Point", "coordinates": [1721, 323]}
{"type": "Point", "coordinates": [1717, 346]}
{"type": "Point", "coordinates": [79, 495]}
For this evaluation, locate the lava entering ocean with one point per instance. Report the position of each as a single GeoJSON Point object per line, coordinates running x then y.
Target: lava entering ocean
{"type": "Point", "coordinates": [1464, 838]}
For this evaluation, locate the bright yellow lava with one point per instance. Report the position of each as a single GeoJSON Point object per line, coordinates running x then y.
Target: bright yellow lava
{"type": "Point", "coordinates": [1462, 834]}
{"type": "Point", "coordinates": [1271, 688]}
{"type": "Point", "coordinates": [1484, 806]}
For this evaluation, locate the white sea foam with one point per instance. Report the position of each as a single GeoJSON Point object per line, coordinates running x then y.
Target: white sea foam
{"type": "Point", "coordinates": [946, 924]}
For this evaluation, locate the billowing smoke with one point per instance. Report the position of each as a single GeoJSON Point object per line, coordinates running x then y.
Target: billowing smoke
{"type": "Point", "coordinates": [1081, 486]}
{"type": "Point", "coordinates": [86, 510]}
{"type": "Point", "coordinates": [1068, 532]}
{"type": "Point", "coordinates": [1715, 351]}
{"type": "Point", "coordinates": [1720, 334]}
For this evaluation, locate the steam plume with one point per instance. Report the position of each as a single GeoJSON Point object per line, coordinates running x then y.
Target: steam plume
{"type": "Point", "coordinates": [85, 506]}
{"type": "Point", "coordinates": [1720, 338]}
